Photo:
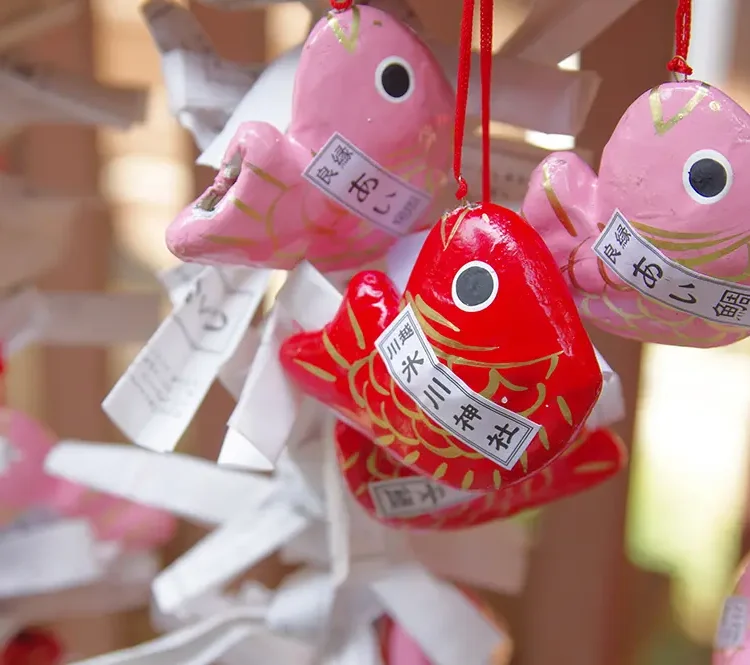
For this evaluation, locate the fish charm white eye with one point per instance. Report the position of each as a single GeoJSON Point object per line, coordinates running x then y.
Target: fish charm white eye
{"type": "Point", "coordinates": [707, 176]}
{"type": "Point", "coordinates": [474, 287]}
{"type": "Point", "coordinates": [394, 80]}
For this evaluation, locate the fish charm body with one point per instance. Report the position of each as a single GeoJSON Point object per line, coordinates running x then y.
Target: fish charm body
{"type": "Point", "coordinates": [500, 338]}
{"type": "Point", "coordinates": [677, 167]}
{"type": "Point", "coordinates": [27, 493]}
{"type": "Point", "coordinates": [362, 75]}
{"type": "Point", "coordinates": [594, 457]}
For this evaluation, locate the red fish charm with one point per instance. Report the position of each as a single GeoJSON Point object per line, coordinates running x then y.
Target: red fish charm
{"type": "Point", "coordinates": [32, 646]}
{"type": "Point", "coordinates": [395, 495]}
{"type": "Point", "coordinates": [481, 374]}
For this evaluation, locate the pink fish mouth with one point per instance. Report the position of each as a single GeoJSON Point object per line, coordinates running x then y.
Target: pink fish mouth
{"type": "Point", "coordinates": [208, 204]}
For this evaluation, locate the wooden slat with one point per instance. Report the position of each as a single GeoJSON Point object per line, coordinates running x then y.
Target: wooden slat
{"type": "Point", "coordinates": [73, 381]}
{"type": "Point", "coordinates": [575, 602]}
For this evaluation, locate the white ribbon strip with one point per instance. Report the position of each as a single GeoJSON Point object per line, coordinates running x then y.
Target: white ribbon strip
{"type": "Point", "coordinates": [186, 486]}
{"type": "Point", "coordinates": [233, 548]}
{"type": "Point", "coordinates": [199, 644]}
{"type": "Point", "coordinates": [447, 627]}
{"type": "Point", "coordinates": [157, 397]}
{"type": "Point", "coordinates": [48, 557]}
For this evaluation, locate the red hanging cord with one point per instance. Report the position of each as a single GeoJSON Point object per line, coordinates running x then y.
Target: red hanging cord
{"type": "Point", "coordinates": [683, 20]}
{"type": "Point", "coordinates": [486, 21]}
{"type": "Point", "coordinates": [341, 5]}
{"type": "Point", "coordinates": [462, 94]}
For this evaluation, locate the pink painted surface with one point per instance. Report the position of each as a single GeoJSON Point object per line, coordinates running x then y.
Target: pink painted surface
{"type": "Point", "coordinates": [403, 650]}
{"type": "Point", "coordinates": [261, 212]}
{"type": "Point", "coordinates": [643, 174]}
{"type": "Point", "coordinates": [26, 492]}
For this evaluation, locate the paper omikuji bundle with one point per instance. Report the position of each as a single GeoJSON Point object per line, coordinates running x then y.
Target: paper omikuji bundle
{"type": "Point", "coordinates": [422, 376]}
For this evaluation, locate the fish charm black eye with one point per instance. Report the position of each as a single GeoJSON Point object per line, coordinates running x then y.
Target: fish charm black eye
{"type": "Point", "coordinates": [707, 176]}
{"type": "Point", "coordinates": [394, 80]}
{"type": "Point", "coordinates": [474, 286]}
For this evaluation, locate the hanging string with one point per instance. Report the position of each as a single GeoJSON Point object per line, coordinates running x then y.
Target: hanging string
{"type": "Point", "coordinates": [486, 21]}
{"type": "Point", "coordinates": [341, 5]}
{"type": "Point", "coordinates": [683, 20]}
{"type": "Point", "coordinates": [462, 94]}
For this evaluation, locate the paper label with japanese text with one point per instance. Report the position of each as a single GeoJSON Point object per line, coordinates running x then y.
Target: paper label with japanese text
{"type": "Point", "coordinates": [156, 398]}
{"type": "Point", "coordinates": [413, 496]}
{"type": "Point", "coordinates": [733, 623]}
{"type": "Point", "coordinates": [639, 264]}
{"type": "Point", "coordinates": [491, 430]}
{"type": "Point", "coordinates": [348, 176]}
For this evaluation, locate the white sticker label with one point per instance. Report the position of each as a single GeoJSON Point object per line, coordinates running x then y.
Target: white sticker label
{"type": "Point", "coordinates": [733, 624]}
{"type": "Point", "coordinates": [154, 401]}
{"type": "Point", "coordinates": [488, 428]}
{"type": "Point", "coordinates": [413, 496]}
{"type": "Point", "coordinates": [647, 270]}
{"type": "Point", "coordinates": [340, 170]}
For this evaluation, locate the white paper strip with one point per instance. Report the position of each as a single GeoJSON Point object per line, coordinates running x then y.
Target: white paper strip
{"type": "Point", "coordinates": [98, 319]}
{"type": "Point", "coordinates": [178, 281]}
{"type": "Point", "coordinates": [157, 396]}
{"type": "Point", "coordinates": [202, 89]}
{"type": "Point", "coordinates": [21, 20]}
{"type": "Point", "coordinates": [199, 644]}
{"type": "Point", "coordinates": [174, 27]}
{"type": "Point", "coordinates": [34, 94]}
{"type": "Point", "coordinates": [527, 94]}
{"type": "Point", "coordinates": [47, 557]}
{"type": "Point", "coordinates": [430, 610]}
{"type": "Point", "coordinates": [125, 585]}
{"type": "Point", "coordinates": [639, 264]}
{"type": "Point", "coordinates": [22, 319]}
{"type": "Point", "coordinates": [186, 486]}
{"type": "Point", "coordinates": [559, 28]}
{"type": "Point", "coordinates": [231, 549]}
{"type": "Point", "coordinates": [269, 100]}
{"type": "Point", "coordinates": [269, 402]}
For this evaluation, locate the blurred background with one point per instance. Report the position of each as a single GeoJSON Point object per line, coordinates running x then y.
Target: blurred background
{"type": "Point", "coordinates": [631, 574]}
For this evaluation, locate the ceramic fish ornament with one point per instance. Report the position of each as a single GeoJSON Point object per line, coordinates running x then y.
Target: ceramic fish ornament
{"type": "Point", "coordinates": [480, 375]}
{"type": "Point", "coordinates": [396, 495]}
{"type": "Point", "coordinates": [657, 247]}
{"type": "Point", "coordinates": [365, 154]}
{"type": "Point", "coordinates": [28, 494]}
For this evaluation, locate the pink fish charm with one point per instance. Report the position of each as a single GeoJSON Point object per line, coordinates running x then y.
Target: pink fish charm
{"type": "Point", "coordinates": [675, 168]}
{"type": "Point", "coordinates": [367, 78]}
{"type": "Point", "coordinates": [27, 493]}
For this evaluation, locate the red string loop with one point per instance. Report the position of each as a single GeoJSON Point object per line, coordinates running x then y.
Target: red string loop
{"type": "Point", "coordinates": [462, 94]}
{"type": "Point", "coordinates": [682, 29]}
{"type": "Point", "coordinates": [341, 5]}
{"type": "Point", "coordinates": [486, 20]}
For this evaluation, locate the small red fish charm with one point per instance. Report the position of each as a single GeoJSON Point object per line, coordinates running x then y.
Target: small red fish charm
{"type": "Point", "coordinates": [32, 646]}
{"type": "Point", "coordinates": [480, 375]}
{"type": "Point", "coordinates": [594, 457]}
